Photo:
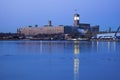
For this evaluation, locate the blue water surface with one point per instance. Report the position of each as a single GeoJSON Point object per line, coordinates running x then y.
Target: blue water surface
{"type": "Point", "coordinates": [59, 60]}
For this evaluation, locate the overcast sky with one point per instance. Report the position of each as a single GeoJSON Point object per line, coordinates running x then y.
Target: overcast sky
{"type": "Point", "coordinates": [19, 13]}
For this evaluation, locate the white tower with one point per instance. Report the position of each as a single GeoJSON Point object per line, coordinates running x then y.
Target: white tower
{"type": "Point", "coordinates": [76, 20]}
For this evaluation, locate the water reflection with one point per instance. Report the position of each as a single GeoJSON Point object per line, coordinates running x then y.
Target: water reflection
{"type": "Point", "coordinates": [76, 60]}
{"type": "Point", "coordinates": [68, 58]}
{"type": "Point", "coordinates": [97, 45]}
{"type": "Point", "coordinates": [76, 47]}
{"type": "Point", "coordinates": [104, 47]}
{"type": "Point", "coordinates": [114, 46]}
{"type": "Point", "coordinates": [94, 46]}
{"type": "Point", "coordinates": [57, 47]}
{"type": "Point", "coordinates": [41, 46]}
{"type": "Point", "coordinates": [108, 44]}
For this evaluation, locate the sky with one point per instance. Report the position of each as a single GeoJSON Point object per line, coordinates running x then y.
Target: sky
{"type": "Point", "coordinates": [20, 13]}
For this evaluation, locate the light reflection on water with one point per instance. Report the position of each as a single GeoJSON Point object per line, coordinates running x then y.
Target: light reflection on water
{"type": "Point", "coordinates": [56, 47]}
{"type": "Point", "coordinates": [114, 46]}
{"type": "Point", "coordinates": [86, 60]}
{"type": "Point", "coordinates": [76, 60]}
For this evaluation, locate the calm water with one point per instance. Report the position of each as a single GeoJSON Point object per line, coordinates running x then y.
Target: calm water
{"type": "Point", "coordinates": [59, 60]}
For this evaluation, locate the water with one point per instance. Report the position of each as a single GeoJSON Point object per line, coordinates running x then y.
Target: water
{"type": "Point", "coordinates": [59, 60]}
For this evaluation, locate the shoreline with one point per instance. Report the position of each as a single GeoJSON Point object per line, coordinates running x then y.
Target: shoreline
{"type": "Point", "coordinates": [105, 40]}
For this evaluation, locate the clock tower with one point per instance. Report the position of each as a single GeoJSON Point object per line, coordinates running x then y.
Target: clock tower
{"type": "Point", "coordinates": [76, 20]}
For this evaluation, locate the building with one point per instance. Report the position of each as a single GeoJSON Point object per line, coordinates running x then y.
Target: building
{"type": "Point", "coordinates": [94, 30]}
{"type": "Point", "coordinates": [76, 20]}
{"type": "Point", "coordinates": [88, 29]}
{"type": "Point", "coordinates": [85, 26]}
{"type": "Point", "coordinates": [48, 29]}
{"type": "Point", "coordinates": [78, 29]}
{"type": "Point", "coordinates": [107, 35]}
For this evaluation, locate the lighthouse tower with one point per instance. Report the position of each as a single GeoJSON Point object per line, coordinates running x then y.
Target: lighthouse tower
{"type": "Point", "coordinates": [76, 20]}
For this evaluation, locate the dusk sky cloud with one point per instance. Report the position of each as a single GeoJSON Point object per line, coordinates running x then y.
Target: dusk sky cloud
{"type": "Point", "coordinates": [19, 13]}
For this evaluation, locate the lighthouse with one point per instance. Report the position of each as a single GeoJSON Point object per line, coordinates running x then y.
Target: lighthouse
{"type": "Point", "coordinates": [76, 20]}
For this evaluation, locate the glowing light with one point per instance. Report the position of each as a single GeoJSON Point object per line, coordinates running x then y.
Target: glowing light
{"type": "Point", "coordinates": [76, 18]}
